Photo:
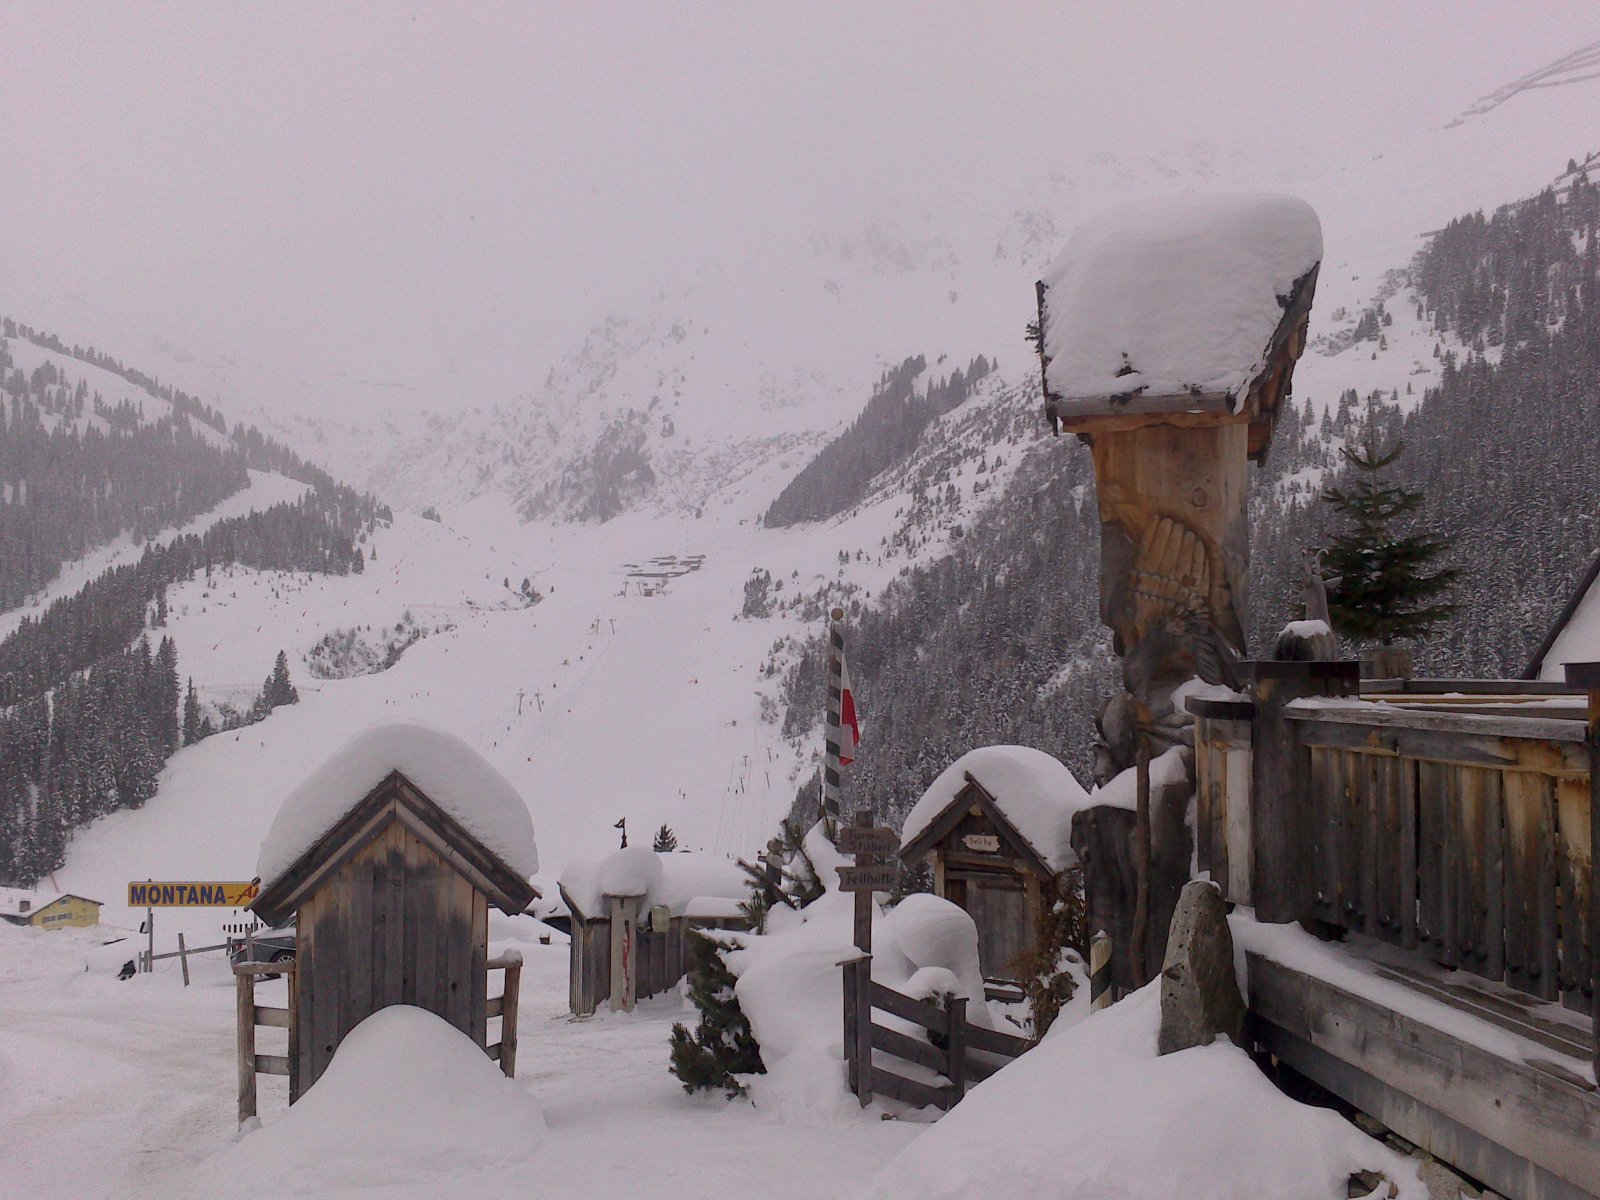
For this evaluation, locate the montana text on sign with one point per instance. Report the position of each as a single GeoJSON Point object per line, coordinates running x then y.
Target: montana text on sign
{"type": "Point", "coordinates": [150, 894]}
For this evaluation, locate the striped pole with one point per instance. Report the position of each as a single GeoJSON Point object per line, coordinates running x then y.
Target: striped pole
{"type": "Point", "coordinates": [831, 792]}
{"type": "Point", "coordinates": [1099, 971]}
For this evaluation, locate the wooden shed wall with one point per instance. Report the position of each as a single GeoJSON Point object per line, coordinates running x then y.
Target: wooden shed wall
{"type": "Point", "coordinates": [396, 924]}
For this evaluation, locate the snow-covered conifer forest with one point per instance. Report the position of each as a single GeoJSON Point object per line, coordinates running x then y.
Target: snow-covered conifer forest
{"type": "Point", "coordinates": [545, 379]}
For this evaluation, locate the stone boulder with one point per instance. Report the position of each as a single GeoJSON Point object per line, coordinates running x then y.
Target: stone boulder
{"type": "Point", "coordinates": [1199, 990]}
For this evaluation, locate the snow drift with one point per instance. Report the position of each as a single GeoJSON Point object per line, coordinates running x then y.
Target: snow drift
{"type": "Point", "coordinates": [407, 1100]}
{"type": "Point", "coordinates": [1093, 1111]}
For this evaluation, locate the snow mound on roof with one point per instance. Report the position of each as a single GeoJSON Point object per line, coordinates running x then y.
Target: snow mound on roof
{"type": "Point", "coordinates": [408, 1099]}
{"type": "Point", "coordinates": [1093, 1111]}
{"type": "Point", "coordinates": [686, 882]}
{"type": "Point", "coordinates": [1183, 290]}
{"type": "Point", "coordinates": [451, 773]}
{"type": "Point", "coordinates": [1034, 791]}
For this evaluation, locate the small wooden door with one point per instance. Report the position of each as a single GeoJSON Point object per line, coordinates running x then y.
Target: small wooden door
{"type": "Point", "coordinates": [998, 906]}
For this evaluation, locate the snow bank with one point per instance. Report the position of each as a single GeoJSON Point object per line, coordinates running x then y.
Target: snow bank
{"type": "Point", "coordinates": [452, 774]}
{"type": "Point", "coordinates": [687, 883]}
{"type": "Point", "coordinates": [408, 1099]}
{"type": "Point", "coordinates": [790, 987]}
{"type": "Point", "coordinates": [1092, 1111]}
{"type": "Point", "coordinates": [1123, 790]}
{"type": "Point", "coordinates": [1172, 295]}
{"type": "Point", "coordinates": [1035, 792]}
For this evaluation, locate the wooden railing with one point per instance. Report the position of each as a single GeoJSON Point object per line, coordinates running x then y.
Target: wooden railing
{"type": "Point", "coordinates": [948, 1050]}
{"type": "Point", "coordinates": [250, 1016]}
{"type": "Point", "coordinates": [1457, 826]}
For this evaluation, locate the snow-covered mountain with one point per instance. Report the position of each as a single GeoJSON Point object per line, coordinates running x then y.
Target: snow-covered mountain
{"type": "Point", "coordinates": [664, 434]}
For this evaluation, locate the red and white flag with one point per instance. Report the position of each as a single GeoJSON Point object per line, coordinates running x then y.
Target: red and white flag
{"type": "Point", "coordinates": [849, 722]}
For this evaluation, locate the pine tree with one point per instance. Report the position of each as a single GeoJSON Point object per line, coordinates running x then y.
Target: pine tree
{"type": "Point", "coordinates": [666, 841]}
{"type": "Point", "coordinates": [278, 689]}
{"type": "Point", "coordinates": [1384, 589]}
{"type": "Point", "coordinates": [722, 1045]}
{"type": "Point", "coordinates": [191, 716]}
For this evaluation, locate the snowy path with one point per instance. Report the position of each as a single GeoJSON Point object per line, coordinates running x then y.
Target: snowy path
{"type": "Point", "coordinates": [140, 1076]}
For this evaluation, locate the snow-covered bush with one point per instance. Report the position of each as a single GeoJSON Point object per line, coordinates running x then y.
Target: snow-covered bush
{"type": "Point", "coordinates": [721, 1048]}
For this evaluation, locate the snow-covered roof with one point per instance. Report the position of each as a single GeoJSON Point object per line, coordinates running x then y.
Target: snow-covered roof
{"type": "Point", "coordinates": [688, 883]}
{"type": "Point", "coordinates": [1034, 792]}
{"type": "Point", "coordinates": [1176, 295]}
{"type": "Point", "coordinates": [447, 770]}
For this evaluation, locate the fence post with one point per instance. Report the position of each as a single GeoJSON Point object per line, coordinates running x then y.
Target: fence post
{"type": "Point", "coordinates": [863, 999]}
{"type": "Point", "coordinates": [508, 1017]}
{"type": "Point", "coordinates": [1587, 676]}
{"type": "Point", "coordinates": [956, 1035]}
{"type": "Point", "coordinates": [183, 959]}
{"type": "Point", "coordinates": [852, 1066]}
{"type": "Point", "coordinates": [1100, 971]}
{"type": "Point", "coordinates": [1281, 824]}
{"type": "Point", "coordinates": [245, 996]}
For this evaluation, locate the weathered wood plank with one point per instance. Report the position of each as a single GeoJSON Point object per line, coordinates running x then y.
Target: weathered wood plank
{"type": "Point", "coordinates": [1357, 844]}
{"type": "Point", "coordinates": [1436, 883]}
{"type": "Point", "coordinates": [1524, 1113]}
{"type": "Point", "coordinates": [909, 1091]}
{"type": "Point", "coordinates": [245, 1042]}
{"type": "Point", "coordinates": [1479, 853]}
{"type": "Point", "coordinates": [1530, 883]}
{"type": "Point", "coordinates": [1326, 800]}
{"type": "Point", "coordinates": [929, 1016]}
{"type": "Point", "coordinates": [994, 1041]}
{"type": "Point", "coordinates": [272, 1018]}
{"type": "Point", "coordinates": [511, 1000]}
{"type": "Point", "coordinates": [851, 1057]}
{"type": "Point", "coordinates": [902, 1045]}
{"type": "Point", "coordinates": [1574, 871]}
{"type": "Point", "coordinates": [272, 1064]}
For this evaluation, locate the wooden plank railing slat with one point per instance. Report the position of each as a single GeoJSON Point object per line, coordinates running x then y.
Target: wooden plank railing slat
{"type": "Point", "coordinates": [903, 1045]}
{"type": "Point", "coordinates": [272, 1064]}
{"type": "Point", "coordinates": [909, 1091]}
{"type": "Point", "coordinates": [995, 1041]}
{"type": "Point", "coordinates": [929, 1016]}
{"type": "Point", "coordinates": [272, 1018]}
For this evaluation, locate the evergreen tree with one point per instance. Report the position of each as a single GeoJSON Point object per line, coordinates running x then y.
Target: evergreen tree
{"type": "Point", "coordinates": [191, 715]}
{"type": "Point", "coordinates": [279, 690]}
{"type": "Point", "coordinates": [722, 1045]}
{"type": "Point", "coordinates": [1385, 589]}
{"type": "Point", "coordinates": [666, 841]}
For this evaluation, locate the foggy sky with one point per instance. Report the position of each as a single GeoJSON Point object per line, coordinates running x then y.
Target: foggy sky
{"type": "Point", "coordinates": [419, 193]}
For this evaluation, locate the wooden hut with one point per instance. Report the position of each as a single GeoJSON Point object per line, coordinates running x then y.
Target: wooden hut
{"type": "Point", "coordinates": [387, 859]}
{"type": "Point", "coordinates": [998, 826]}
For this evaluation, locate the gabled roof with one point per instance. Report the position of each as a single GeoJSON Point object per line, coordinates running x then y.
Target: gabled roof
{"type": "Point", "coordinates": [396, 798]}
{"type": "Point", "coordinates": [974, 793]}
{"type": "Point", "coordinates": [1586, 584]}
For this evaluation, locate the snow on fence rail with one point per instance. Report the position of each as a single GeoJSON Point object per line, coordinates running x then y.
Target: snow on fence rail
{"type": "Point", "coordinates": [948, 1050]}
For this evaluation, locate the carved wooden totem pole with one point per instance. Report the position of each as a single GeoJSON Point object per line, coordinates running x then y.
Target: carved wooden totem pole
{"type": "Point", "coordinates": [1167, 336]}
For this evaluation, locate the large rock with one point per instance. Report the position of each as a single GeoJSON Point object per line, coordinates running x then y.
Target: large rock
{"type": "Point", "coordinates": [1199, 991]}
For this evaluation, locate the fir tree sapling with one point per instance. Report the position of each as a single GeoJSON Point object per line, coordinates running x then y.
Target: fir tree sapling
{"type": "Point", "coordinates": [1385, 590]}
{"type": "Point", "coordinates": [1045, 968]}
{"type": "Point", "coordinates": [666, 841]}
{"type": "Point", "coordinates": [722, 1047]}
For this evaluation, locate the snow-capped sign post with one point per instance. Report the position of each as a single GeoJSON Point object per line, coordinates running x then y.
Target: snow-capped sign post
{"type": "Point", "coordinates": [1167, 336]}
{"type": "Point", "coordinates": [388, 858]}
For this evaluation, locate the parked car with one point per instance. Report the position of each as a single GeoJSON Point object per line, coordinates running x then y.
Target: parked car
{"type": "Point", "coordinates": [267, 946]}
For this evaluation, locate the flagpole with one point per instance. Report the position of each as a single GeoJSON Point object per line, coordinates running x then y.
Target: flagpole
{"type": "Point", "coordinates": [831, 793]}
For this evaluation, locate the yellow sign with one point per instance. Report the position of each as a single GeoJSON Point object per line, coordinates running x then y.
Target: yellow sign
{"type": "Point", "coordinates": [151, 894]}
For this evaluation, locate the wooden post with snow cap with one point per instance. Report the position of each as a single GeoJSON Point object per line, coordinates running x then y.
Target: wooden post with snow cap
{"type": "Point", "coordinates": [832, 793]}
{"type": "Point", "coordinates": [1587, 676]}
{"type": "Point", "coordinates": [624, 911]}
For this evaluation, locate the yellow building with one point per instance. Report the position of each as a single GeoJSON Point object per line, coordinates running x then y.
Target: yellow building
{"type": "Point", "coordinates": [47, 910]}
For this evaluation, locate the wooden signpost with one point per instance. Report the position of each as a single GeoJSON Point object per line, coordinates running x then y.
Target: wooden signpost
{"type": "Point", "coordinates": [866, 841]}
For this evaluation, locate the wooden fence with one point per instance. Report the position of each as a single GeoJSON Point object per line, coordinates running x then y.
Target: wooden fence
{"type": "Point", "coordinates": [658, 960]}
{"type": "Point", "coordinates": [1460, 827]}
{"type": "Point", "coordinates": [250, 1016]}
{"type": "Point", "coordinates": [955, 1048]}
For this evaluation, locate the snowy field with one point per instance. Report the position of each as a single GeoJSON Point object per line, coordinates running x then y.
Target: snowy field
{"type": "Point", "coordinates": [142, 1074]}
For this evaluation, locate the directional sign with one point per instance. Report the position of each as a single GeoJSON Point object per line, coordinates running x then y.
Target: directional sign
{"type": "Point", "coordinates": [864, 839]}
{"type": "Point", "coordinates": [191, 894]}
{"type": "Point", "coordinates": [867, 879]}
